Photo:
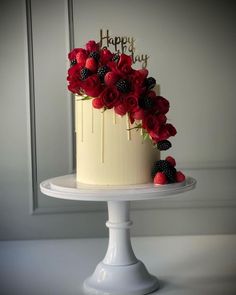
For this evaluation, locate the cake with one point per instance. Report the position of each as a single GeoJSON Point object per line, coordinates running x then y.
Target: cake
{"type": "Point", "coordinates": [108, 152]}
{"type": "Point", "coordinates": [120, 121]}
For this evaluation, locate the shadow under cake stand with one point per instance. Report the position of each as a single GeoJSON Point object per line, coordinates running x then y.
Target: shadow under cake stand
{"type": "Point", "coordinates": [120, 272]}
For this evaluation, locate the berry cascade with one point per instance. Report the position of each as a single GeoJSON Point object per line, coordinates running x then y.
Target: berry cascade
{"type": "Point", "coordinates": [109, 80]}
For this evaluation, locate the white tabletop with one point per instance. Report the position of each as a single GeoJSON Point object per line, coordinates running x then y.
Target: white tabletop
{"type": "Point", "coordinates": [185, 265]}
{"type": "Point", "coordinates": [66, 187]}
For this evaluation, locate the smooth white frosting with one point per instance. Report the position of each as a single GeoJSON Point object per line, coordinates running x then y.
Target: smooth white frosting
{"type": "Point", "coordinates": [106, 152]}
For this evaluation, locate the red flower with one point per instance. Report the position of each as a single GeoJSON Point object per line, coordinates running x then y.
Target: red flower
{"type": "Point", "coordinates": [138, 77]}
{"type": "Point", "coordinates": [111, 78]}
{"type": "Point", "coordinates": [92, 46]}
{"type": "Point", "coordinates": [151, 123]}
{"type": "Point", "coordinates": [162, 104]}
{"type": "Point", "coordinates": [74, 73]}
{"type": "Point", "coordinates": [105, 56]}
{"type": "Point", "coordinates": [151, 94]}
{"type": "Point", "coordinates": [124, 64]}
{"type": "Point", "coordinates": [138, 114]}
{"type": "Point", "coordinates": [120, 109]}
{"type": "Point", "coordinates": [161, 119]}
{"type": "Point", "coordinates": [143, 72]}
{"type": "Point", "coordinates": [165, 132]}
{"type": "Point", "coordinates": [74, 79]}
{"type": "Point", "coordinates": [131, 102]}
{"type": "Point", "coordinates": [171, 129]}
{"type": "Point", "coordinates": [113, 66]}
{"type": "Point", "coordinates": [72, 54]}
{"type": "Point", "coordinates": [110, 97]}
{"type": "Point", "coordinates": [92, 86]}
{"type": "Point", "coordinates": [97, 103]}
{"type": "Point", "coordinates": [74, 87]}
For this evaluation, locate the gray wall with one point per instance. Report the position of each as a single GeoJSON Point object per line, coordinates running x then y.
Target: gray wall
{"type": "Point", "coordinates": [191, 45]}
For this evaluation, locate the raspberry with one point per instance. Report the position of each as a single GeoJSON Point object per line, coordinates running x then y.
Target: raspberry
{"type": "Point", "coordinates": [110, 78]}
{"type": "Point", "coordinates": [84, 73]}
{"type": "Point", "coordinates": [171, 160]}
{"type": "Point", "coordinates": [95, 55]}
{"type": "Point", "coordinates": [81, 57]}
{"type": "Point", "coordinates": [150, 82]}
{"type": "Point", "coordinates": [160, 178]}
{"type": "Point", "coordinates": [102, 72]}
{"type": "Point", "coordinates": [164, 145]}
{"type": "Point", "coordinates": [91, 64]}
{"type": "Point", "coordinates": [179, 177]}
{"type": "Point", "coordinates": [123, 86]}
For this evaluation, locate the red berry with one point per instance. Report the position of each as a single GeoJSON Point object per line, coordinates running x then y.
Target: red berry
{"type": "Point", "coordinates": [179, 176]}
{"type": "Point", "coordinates": [160, 178]}
{"type": "Point", "coordinates": [171, 160]}
{"type": "Point", "coordinates": [91, 64]}
{"type": "Point", "coordinates": [81, 57]}
{"type": "Point", "coordinates": [97, 103]}
{"type": "Point", "coordinates": [111, 78]}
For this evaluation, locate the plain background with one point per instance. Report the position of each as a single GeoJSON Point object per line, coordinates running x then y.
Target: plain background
{"type": "Point", "coordinates": [191, 45]}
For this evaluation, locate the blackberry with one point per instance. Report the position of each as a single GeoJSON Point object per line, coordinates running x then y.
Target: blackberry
{"type": "Point", "coordinates": [164, 145]}
{"type": "Point", "coordinates": [170, 173]}
{"type": "Point", "coordinates": [150, 82]}
{"type": "Point", "coordinates": [123, 86]}
{"type": "Point", "coordinates": [95, 55]}
{"type": "Point", "coordinates": [160, 166]}
{"type": "Point", "coordinates": [84, 73]}
{"type": "Point", "coordinates": [102, 72]}
{"type": "Point", "coordinates": [146, 103]}
{"type": "Point", "coordinates": [116, 57]}
{"type": "Point", "coordinates": [73, 62]}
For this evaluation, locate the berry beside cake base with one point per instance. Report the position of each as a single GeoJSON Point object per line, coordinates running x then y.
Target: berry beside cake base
{"type": "Point", "coordinates": [164, 172]}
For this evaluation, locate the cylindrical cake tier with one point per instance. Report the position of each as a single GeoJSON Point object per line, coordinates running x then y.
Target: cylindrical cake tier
{"type": "Point", "coordinates": [107, 152]}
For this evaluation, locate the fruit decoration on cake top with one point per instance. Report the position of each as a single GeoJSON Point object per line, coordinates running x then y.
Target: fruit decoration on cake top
{"type": "Point", "coordinates": [109, 80]}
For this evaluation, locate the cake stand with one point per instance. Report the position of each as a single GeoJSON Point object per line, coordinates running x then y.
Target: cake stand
{"type": "Point", "coordinates": [120, 272]}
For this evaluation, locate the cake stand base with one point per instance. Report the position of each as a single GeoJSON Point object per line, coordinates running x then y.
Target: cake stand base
{"type": "Point", "coordinates": [131, 279]}
{"type": "Point", "coordinates": [120, 272]}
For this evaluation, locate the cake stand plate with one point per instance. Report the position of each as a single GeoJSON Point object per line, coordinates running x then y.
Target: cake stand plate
{"type": "Point", "coordinates": [120, 272]}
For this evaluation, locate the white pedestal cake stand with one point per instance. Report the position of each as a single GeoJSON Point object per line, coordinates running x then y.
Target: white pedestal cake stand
{"type": "Point", "coordinates": [120, 272]}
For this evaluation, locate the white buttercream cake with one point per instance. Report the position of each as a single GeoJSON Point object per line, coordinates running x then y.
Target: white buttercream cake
{"type": "Point", "coordinates": [106, 151]}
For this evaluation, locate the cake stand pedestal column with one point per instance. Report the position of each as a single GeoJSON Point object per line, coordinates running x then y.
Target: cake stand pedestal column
{"type": "Point", "coordinates": [120, 272]}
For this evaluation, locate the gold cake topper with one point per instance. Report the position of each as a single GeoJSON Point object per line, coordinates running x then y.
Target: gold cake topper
{"type": "Point", "coordinates": [123, 45]}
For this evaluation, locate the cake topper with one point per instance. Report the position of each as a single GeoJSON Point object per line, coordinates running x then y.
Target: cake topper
{"type": "Point", "coordinates": [122, 44]}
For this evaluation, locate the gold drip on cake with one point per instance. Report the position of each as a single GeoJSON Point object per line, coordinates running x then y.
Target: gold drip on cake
{"type": "Point", "coordinates": [76, 115]}
{"type": "Point", "coordinates": [102, 137]}
{"type": "Point", "coordinates": [92, 119]}
{"type": "Point", "coordinates": [128, 127]}
{"type": "Point", "coordinates": [141, 131]}
{"type": "Point", "coordinates": [114, 117]}
{"type": "Point", "coordinates": [82, 121]}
